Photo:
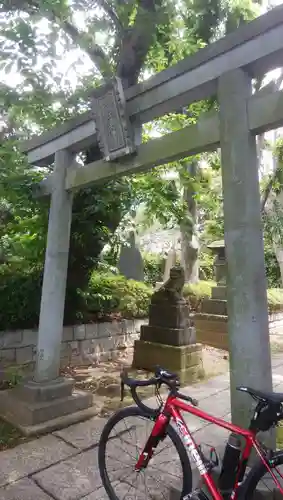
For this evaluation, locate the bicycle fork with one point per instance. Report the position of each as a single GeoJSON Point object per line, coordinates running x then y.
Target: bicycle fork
{"type": "Point", "coordinates": [157, 434]}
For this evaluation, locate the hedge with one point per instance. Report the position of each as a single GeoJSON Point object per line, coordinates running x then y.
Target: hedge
{"type": "Point", "coordinates": [20, 292]}
{"type": "Point", "coordinates": [196, 292]}
{"type": "Point", "coordinates": [201, 290]}
{"type": "Point", "coordinates": [106, 294]}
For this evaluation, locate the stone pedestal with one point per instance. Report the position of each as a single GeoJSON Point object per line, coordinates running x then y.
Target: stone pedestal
{"type": "Point", "coordinates": [169, 340]}
{"type": "Point", "coordinates": [184, 360]}
{"type": "Point", "coordinates": [211, 323]}
{"type": "Point", "coordinates": [36, 408]}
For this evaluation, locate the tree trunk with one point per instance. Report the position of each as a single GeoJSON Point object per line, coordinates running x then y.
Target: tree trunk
{"type": "Point", "coordinates": [189, 241]}
{"type": "Point", "coordinates": [279, 256]}
{"type": "Point", "coordinates": [97, 212]}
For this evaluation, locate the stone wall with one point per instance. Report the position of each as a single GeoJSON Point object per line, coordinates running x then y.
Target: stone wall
{"type": "Point", "coordinates": [212, 329]}
{"type": "Point", "coordinates": [81, 344]}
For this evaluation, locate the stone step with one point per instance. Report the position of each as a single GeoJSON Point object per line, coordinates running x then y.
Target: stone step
{"type": "Point", "coordinates": [29, 414]}
{"type": "Point", "coordinates": [214, 306]}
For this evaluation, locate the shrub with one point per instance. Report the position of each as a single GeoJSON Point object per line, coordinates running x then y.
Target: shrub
{"type": "Point", "coordinates": [153, 267]}
{"type": "Point", "coordinates": [206, 265]}
{"type": "Point", "coordinates": [108, 293]}
{"type": "Point", "coordinates": [201, 290]}
{"type": "Point", "coordinates": [275, 299]}
{"type": "Point", "coordinates": [272, 268]}
{"type": "Point", "coordinates": [20, 292]}
{"type": "Point", "coordinates": [196, 292]}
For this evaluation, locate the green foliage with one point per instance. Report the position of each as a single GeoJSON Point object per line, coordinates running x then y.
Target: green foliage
{"type": "Point", "coordinates": [23, 219]}
{"type": "Point", "coordinates": [153, 267]}
{"type": "Point", "coordinates": [206, 265]}
{"type": "Point", "coordinates": [20, 292]}
{"type": "Point", "coordinates": [108, 293]}
{"type": "Point", "coordinates": [196, 292]}
{"type": "Point", "coordinates": [275, 299]}
{"type": "Point", "coordinates": [37, 40]}
{"type": "Point", "coordinates": [13, 376]}
{"type": "Point", "coordinates": [272, 268]}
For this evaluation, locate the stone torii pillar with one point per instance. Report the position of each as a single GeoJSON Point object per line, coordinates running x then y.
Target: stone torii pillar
{"type": "Point", "coordinates": [55, 274]}
{"type": "Point", "coordinates": [250, 362]}
{"type": "Point", "coordinates": [49, 401]}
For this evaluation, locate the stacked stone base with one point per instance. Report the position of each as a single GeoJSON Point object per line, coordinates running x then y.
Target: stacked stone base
{"type": "Point", "coordinates": [35, 408]}
{"type": "Point", "coordinates": [211, 323]}
{"type": "Point", "coordinates": [186, 360]}
{"type": "Point", "coordinates": [212, 330]}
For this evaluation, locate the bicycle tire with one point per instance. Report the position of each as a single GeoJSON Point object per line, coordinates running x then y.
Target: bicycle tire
{"type": "Point", "coordinates": [256, 474]}
{"type": "Point", "coordinates": [172, 434]}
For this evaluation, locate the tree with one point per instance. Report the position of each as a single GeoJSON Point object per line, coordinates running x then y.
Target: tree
{"type": "Point", "coordinates": [125, 38]}
{"type": "Point", "coordinates": [129, 29]}
{"type": "Point", "coordinates": [272, 209]}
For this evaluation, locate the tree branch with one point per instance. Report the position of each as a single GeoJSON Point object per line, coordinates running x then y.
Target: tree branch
{"type": "Point", "coordinates": [93, 50]}
{"type": "Point", "coordinates": [136, 43]}
{"type": "Point", "coordinates": [112, 15]}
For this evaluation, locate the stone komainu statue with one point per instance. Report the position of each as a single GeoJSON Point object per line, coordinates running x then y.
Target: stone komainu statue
{"type": "Point", "coordinates": [172, 289]}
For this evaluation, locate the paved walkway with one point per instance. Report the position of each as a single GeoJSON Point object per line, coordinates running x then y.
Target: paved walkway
{"type": "Point", "coordinates": [64, 465]}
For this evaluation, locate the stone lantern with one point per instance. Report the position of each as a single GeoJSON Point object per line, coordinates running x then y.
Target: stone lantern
{"type": "Point", "coordinates": [211, 321]}
{"type": "Point", "coordinates": [220, 264]}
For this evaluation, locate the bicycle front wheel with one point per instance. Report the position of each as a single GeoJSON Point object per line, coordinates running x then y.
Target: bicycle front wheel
{"type": "Point", "coordinates": [168, 474]}
{"type": "Point", "coordinates": [259, 482]}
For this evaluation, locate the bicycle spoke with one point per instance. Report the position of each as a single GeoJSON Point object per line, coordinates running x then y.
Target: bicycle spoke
{"type": "Point", "coordinates": [160, 470]}
{"type": "Point", "coordinates": [121, 449]}
{"type": "Point", "coordinates": [126, 439]}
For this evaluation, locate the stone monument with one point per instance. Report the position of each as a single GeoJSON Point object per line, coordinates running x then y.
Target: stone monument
{"type": "Point", "coordinates": [130, 261]}
{"type": "Point", "coordinates": [168, 340]}
{"type": "Point", "coordinates": [211, 323]}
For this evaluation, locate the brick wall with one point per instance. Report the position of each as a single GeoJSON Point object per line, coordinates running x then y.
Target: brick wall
{"type": "Point", "coordinates": [81, 344]}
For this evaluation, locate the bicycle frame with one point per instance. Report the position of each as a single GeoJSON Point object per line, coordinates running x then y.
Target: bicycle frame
{"type": "Point", "coordinates": [171, 409]}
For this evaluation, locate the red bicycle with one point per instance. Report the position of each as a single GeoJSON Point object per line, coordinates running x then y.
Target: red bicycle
{"type": "Point", "coordinates": [145, 451]}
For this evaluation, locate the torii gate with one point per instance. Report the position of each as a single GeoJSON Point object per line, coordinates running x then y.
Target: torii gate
{"type": "Point", "coordinates": [225, 69]}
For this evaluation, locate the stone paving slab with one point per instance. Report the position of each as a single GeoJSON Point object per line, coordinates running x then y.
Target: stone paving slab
{"type": "Point", "coordinates": [208, 388]}
{"type": "Point", "coordinates": [72, 479]}
{"type": "Point", "coordinates": [218, 405]}
{"type": "Point", "coordinates": [83, 435]}
{"type": "Point", "coordinates": [31, 457]}
{"type": "Point", "coordinates": [277, 360]}
{"type": "Point", "coordinates": [25, 489]}
{"type": "Point", "coordinates": [99, 494]}
{"type": "Point", "coordinates": [62, 467]}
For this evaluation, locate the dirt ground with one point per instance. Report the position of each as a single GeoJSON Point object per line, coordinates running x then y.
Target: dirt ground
{"type": "Point", "coordinates": [103, 380]}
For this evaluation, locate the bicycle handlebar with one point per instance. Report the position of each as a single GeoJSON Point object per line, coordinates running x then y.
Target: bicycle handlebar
{"type": "Point", "coordinates": [160, 377]}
